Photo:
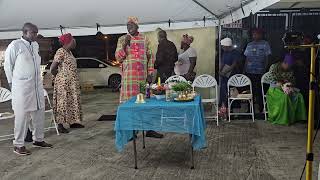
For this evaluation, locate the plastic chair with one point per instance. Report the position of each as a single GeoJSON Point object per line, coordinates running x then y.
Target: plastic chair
{"type": "Point", "coordinates": [207, 81]}
{"type": "Point", "coordinates": [5, 95]}
{"type": "Point", "coordinates": [266, 79]}
{"type": "Point", "coordinates": [176, 78]}
{"type": "Point", "coordinates": [53, 120]}
{"type": "Point", "coordinates": [240, 80]}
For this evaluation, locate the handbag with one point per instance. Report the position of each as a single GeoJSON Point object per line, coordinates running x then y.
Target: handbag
{"type": "Point", "coordinates": [226, 71]}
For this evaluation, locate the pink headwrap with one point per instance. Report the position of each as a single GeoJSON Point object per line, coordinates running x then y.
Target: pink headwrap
{"type": "Point", "coordinates": [65, 39]}
{"type": "Point", "coordinates": [187, 39]}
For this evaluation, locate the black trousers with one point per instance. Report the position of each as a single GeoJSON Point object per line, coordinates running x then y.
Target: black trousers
{"type": "Point", "coordinates": [164, 74]}
{"type": "Point", "coordinates": [256, 88]}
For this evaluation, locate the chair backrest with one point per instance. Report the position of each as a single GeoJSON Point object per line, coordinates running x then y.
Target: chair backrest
{"type": "Point", "coordinates": [176, 78]}
{"type": "Point", "coordinates": [45, 93]}
{"type": "Point", "coordinates": [239, 80]}
{"type": "Point", "coordinates": [266, 78]}
{"type": "Point", "coordinates": [5, 95]}
{"type": "Point", "coordinates": [204, 81]}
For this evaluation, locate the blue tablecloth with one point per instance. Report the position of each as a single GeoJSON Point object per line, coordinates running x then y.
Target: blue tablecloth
{"type": "Point", "coordinates": [159, 115]}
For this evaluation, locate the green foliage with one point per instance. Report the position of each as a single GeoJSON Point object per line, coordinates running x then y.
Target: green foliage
{"type": "Point", "coordinates": [181, 86]}
{"type": "Point", "coordinates": [142, 87]}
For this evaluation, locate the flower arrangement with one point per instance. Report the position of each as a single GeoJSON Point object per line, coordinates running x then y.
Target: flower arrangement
{"type": "Point", "coordinates": [158, 89]}
{"type": "Point", "coordinates": [223, 113]}
{"type": "Point", "coordinates": [287, 88]}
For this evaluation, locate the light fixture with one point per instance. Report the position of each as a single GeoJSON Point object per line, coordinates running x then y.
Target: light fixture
{"type": "Point", "coordinates": [61, 29]}
{"type": "Point", "coordinates": [99, 34]}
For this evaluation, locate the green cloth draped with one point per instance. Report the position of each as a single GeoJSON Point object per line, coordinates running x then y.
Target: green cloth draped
{"type": "Point", "coordinates": [284, 109]}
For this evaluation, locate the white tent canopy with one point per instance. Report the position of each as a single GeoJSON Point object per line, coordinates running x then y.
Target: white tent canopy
{"type": "Point", "coordinates": [288, 4]}
{"type": "Point", "coordinates": [81, 16]}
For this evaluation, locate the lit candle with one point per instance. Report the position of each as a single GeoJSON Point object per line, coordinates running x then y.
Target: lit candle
{"type": "Point", "coordinates": [159, 81]}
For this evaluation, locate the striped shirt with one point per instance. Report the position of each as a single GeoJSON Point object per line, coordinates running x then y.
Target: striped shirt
{"type": "Point", "coordinates": [257, 53]}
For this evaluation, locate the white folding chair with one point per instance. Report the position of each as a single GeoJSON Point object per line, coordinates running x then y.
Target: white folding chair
{"type": "Point", "coordinates": [53, 120]}
{"type": "Point", "coordinates": [5, 95]}
{"type": "Point", "coordinates": [240, 80]}
{"type": "Point", "coordinates": [207, 81]}
{"type": "Point", "coordinates": [176, 78]}
{"type": "Point", "coordinates": [266, 79]}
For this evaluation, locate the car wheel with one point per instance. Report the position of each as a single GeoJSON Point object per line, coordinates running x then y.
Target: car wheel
{"type": "Point", "coordinates": [114, 81]}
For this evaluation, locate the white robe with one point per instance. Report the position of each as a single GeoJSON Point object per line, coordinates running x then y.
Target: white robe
{"type": "Point", "coordinates": [22, 68]}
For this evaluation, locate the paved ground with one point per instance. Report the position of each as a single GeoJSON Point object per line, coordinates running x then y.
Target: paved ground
{"type": "Point", "coordinates": [237, 150]}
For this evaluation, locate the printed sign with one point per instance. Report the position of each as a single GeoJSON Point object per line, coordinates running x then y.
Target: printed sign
{"type": "Point", "coordinates": [235, 25]}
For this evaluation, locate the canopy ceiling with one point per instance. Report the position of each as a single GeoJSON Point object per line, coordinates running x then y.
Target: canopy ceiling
{"type": "Point", "coordinates": [288, 4]}
{"type": "Point", "coordinates": [80, 16]}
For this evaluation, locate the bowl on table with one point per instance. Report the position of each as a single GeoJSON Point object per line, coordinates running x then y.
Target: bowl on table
{"type": "Point", "coordinates": [159, 97]}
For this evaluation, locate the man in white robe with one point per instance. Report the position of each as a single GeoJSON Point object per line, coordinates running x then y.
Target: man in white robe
{"type": "Point", "coordinates": [22, 68]}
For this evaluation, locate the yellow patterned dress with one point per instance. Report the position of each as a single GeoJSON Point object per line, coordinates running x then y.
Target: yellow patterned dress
{"type": "Point", "coordinates": [66, 95]}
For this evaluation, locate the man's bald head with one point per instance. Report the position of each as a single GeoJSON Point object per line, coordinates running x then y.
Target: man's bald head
{"type": "Point", "coordinates": [30, 32]}
{"type": "Point", "coordinates": [162, 35]}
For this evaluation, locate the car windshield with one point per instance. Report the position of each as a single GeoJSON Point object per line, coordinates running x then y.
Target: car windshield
{"type": "Point", "coordinates": [89, 63]}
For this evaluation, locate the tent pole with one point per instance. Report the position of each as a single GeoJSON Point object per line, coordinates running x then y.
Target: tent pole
{"type": "Point", "coordinates": [312, 90]}
{"type": "Point", "coordinates": [205, 8]}
{"type": "Point", "coordinates": [311, 114]}
{"type": "Point", "coordinates": [219, 44]}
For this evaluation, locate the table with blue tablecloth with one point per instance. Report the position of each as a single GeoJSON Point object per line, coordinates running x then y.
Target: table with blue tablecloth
{"type": "Point", "coordinates": [160, 115]}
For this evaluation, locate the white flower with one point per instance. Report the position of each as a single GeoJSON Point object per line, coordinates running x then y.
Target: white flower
{"type": "Point", "coordinates": [154, 86]}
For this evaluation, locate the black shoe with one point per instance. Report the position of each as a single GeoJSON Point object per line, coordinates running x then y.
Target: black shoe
{"type": "Point", "coordinates": [22, 151]}
{"type": "Point", "coordinates": [42, 144]}
{"type": "Point", "coordinates": [61, 129]}
{"type": "Point", "coordinates": [29, 136]}
{"type": "Point", "coordinates": [259, 116]}
{"type": "Point", "coordinates": [154, 134]}
{"type": "Point", "coordinates": [76, 125]}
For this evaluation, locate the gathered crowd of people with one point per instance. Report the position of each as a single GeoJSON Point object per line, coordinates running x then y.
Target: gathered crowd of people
{"type": "Point", "coordinates": [288, 85]}
{"type": "Point", "coordinates": [285, 102]}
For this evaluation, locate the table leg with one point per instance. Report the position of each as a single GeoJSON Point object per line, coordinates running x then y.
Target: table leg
{"type": "Point", "coordinates": [192, 160]}
{"type": "Point", "coordinates": [135, 150]}
{"type": "Point", "coordinates": [143, 141]}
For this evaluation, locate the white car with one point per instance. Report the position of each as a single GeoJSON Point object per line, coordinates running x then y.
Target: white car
{"type": "Point", "coordinates": [90, 70]}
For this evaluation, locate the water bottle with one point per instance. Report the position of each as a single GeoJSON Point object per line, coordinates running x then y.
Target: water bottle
{"type": "Point", "coordinates": [148, 91]}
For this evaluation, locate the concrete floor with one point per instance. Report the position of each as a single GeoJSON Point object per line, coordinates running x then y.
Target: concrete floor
{"type": "Point", "coordinates": [237, 150]}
